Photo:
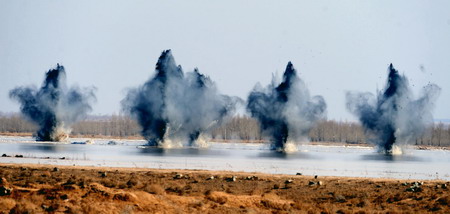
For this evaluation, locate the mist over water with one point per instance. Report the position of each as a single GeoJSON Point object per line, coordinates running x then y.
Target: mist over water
{"type": "Point", "coordinates": [176, 109]}
{"type": "Point", "coordinates": [393, 117]}
{"type": "Point", "coordinates": [54, 107]}
{"type": "Point", "coordinates": [285, 110]}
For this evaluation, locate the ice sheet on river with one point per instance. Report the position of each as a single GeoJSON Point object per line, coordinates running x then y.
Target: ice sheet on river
{"type": "Point", "coordinates": [310, 160]}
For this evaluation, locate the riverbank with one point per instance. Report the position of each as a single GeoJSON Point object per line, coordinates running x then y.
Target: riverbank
{"type": "Point", "coordinates": [103, 137]}
{"type": "Point", "coordinates": [74, 189]}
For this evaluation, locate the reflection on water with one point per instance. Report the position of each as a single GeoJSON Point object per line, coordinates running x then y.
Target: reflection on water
{"type": "Point", "coordinates": [43, 147]}
{"type": "Point", "coordinates": [310, 160]}
{"type": "Point", "coordinates": [390, 158]}
{"type": "Point", "coordinates": [287, 156]}
{"type": "Point", "coordinates": [179, 151]}
{"type": "Point", "coordinates": [52, 147]}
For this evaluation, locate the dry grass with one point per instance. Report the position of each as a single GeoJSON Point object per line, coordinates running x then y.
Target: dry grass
{"type": "Point", "coordinates": [37, 189]}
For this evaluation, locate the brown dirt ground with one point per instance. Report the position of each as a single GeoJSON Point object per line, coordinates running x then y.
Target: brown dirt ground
{"type": "Point", "coordinates": [73, 189]}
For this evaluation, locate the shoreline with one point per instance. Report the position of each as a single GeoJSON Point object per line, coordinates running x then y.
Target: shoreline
{"type": "Point", "coordinates": [212, 172]}
{"type": "Point", "coordinates": [139, 138]}
{"type": "Point", "coordinates": [77, 189]}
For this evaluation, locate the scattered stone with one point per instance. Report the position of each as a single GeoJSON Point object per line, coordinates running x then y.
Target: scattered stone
{"type": "Point", "coordinates": [63, 158]}
{"type": "Point", "coordinates": [415, 187]}
{"type": "Point", "coordinates": [18, 156]}
{"type": "Point", "coordinates": [56, 169]}
{"type": "Point", "coordinates": [379, 185]}
{"type": "Point", "coordinates": [5, 188]}
{"type": "Point", "coordinates": [299, 173]}
{"type": "Point", "coordinates": [231, 179]}
{"type": "Point", "coordinates": [253, 178]}
{"type": "Point", "coordinates": [320, 183]}
{"type": "Point", "coordinates": [112, 143]}
{"type": "Point", "coordinates": [210, 178]}
{"type": "Point", "coordinates": [5, 191]}
{"type": "Point", "coordinates": [276, 186]}
{"type": "Point", "coordinates": [340, 198]}
{"type": "Point", "coordinates": [405, 184]}
{"type": "Point", "coordinates": [64, 197]}
{"type": "Point", "coordinates": [444, 186]}
{"type": "Point", "coordinates": [410, 189]}
{"type": "Point", "coordinates": [417, 183]}
{"type": "Point", "coordinates": [103, 174]}
{"type": "Point", "coordinates": [178, 176]}
{"type": "Point", "coordinates": [288, 181]}
{"type": "Point", "coordinates": [316, 176]}
{"type": "Point", "coordinates": [312, 183]}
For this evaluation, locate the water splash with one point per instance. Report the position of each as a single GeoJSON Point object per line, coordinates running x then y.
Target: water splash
{"type": "Point", "coordinates": [175, 109]}
{"type": "Point", "coordinates": [54, 107]}
{"type": "Point", "coordinates": [285, 110]}
{"type": "Point", "coordinates": [393, 117]}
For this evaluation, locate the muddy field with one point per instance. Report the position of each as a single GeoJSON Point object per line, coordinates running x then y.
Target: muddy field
{"type": "Point", "coordinates": [37, 189]}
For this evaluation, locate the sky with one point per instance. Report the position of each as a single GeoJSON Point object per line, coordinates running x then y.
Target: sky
{"type": "Point", "coordinates": [336, 46]}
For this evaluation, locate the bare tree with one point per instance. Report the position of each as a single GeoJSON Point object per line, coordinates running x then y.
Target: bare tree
{"type": "Point", "coordinates": [238, 128]}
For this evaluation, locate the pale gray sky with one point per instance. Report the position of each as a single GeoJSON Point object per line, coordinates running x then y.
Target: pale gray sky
{"type": "Point", "coordinates": [335, 45]}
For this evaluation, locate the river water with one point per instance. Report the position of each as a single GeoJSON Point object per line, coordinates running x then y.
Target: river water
{"type": "Point", "coordinates": [309, 160]}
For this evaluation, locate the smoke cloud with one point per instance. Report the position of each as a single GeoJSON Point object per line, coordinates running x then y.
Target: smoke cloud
{"type": "Point", "coordinates": [393, 116]}
{"type": "Point", "coordinates": [285, 110]}
{"type": "Point", "coordinates": [54, 107]}
{"type": "Point", "coordinates": [176, 109]}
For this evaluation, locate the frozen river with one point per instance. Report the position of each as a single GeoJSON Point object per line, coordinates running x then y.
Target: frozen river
{"type": "Point", "coordinates": [309, 160]}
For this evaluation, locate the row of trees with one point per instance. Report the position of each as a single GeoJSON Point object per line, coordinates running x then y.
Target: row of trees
{"type": "Point", "coordinates": [240, 127]}
{"type": "Point", "coordinates": [115, 125]}
{"type": "Point", "coordinates": [14, 123]}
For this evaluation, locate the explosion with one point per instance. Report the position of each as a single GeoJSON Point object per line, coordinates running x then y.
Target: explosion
{"type": "Point", "coordinates": [174, 108]}
{"type": "Point", "coordinates": [285, 110]}
{"type": "Point", "coordinates": [54, 107]}
{"type": "Point", "coordinates": [393, 117]}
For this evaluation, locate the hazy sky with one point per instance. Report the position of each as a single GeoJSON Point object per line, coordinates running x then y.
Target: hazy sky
{"type": "Point", "coordinates": [336, 46]}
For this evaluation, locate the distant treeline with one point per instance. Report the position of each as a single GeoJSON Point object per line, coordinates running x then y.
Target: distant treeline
{"type": "Point", "coordinates": [240, 127]}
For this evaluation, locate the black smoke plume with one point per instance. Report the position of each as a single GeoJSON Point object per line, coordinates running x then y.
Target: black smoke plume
{"type": "Point", "coordinates": [174, 108]}
{"type": "Point", "coordinates": [393, 116]}
{"type": "Point", "coordinates": [54, 107]}
{"type": "Point", "coordinates": [285, 110]}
